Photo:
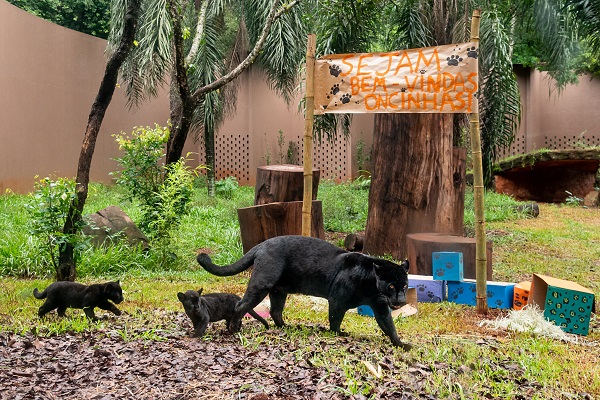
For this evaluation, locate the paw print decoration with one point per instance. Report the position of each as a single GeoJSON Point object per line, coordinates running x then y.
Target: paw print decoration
{"type": "Point", "coordinates": [453, 60]}
{"type": "Point", "coordinates": [335, 70]}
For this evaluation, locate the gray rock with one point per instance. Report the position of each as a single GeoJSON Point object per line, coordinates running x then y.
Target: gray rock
{"type": "Point", "coordinates": [112, 223]}
{"type": "Point", "coordinates": [591, 199]}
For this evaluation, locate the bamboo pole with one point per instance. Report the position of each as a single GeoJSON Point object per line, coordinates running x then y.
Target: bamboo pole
{"type": "Point", "coordinates": [308, 135]}
{"type": "Point", "coordinates": [480, 250]}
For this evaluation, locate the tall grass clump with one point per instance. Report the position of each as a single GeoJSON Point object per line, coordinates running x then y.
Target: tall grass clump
{"type": "Point", "coordinates": [498, 207]}
{"type": "Point", "coordinates": [345, 205]}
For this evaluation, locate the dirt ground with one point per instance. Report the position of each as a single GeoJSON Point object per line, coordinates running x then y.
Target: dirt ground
{"type": "Point", "coordinates": [103, 365]}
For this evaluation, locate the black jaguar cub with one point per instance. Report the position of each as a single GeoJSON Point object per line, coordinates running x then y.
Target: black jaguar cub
{"type": "Point", "coordinates": [211, 307]}
{"type": "Point", "coordinates": [61, 295]}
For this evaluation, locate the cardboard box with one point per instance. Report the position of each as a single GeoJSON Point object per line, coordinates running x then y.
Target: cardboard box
{"type": "Point", "coordinates": [499, 294]}
{"type": "Point", "coordinates": [411, 304]}
{"type": "Point", "coordinates": [428, 290]}
{"type": "Point", "coordinates": [567, 304]}
{"type": "Point", "coordinates": [447, 266]}
{"type": "Point", "coordinates": [521, 297]}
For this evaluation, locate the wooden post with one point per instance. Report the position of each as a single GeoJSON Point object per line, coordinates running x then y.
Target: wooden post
{"type": "Point", "coordinates": [308, 134]}
{"type": "Point", "coordinates": [480, 246]}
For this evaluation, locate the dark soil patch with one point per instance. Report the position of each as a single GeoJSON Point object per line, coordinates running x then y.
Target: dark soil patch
{"type": "Point", "coordinates": [102, 365]}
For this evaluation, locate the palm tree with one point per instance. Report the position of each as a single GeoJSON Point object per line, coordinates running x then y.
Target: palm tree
{"type": "Point", "coordinates": [412, 179]}
{"type": "Point", "coordinates": [201, 61]}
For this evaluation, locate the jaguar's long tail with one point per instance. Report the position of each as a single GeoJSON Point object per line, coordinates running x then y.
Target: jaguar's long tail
{"type": "Point", "coordinates": [227, 270]}
{"type": "Point", "coordinates": [39, 295]}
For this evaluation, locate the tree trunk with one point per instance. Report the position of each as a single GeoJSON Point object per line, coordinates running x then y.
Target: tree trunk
{"type": "Point", "coordinates": [412, 183]}
{"type": "Point", "coordinates": [67, 268]}
{"type": "Point", "coordinates": [209, 144]}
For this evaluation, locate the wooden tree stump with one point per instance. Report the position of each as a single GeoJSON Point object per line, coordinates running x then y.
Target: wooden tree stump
{"type": "Point", "coordinates": [421, 245]}
{"type": "Point", "coordinates": [280, 183]}
{"type": "Point", "coordinates": [261, 222]}
{"type": "Point", "coordinates": [354, 242]}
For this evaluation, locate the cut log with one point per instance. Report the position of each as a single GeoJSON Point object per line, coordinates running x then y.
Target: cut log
{"type": "Point", "coordinates": [354, 242]}
{"type": "Point", "coordinates": [530, 209]}
{"type": "Point", "coordinates": [422, 245]}
{"type": "Point", "coordinates": [261, 222]}
{"type": "Point", "coordinates": [281, 183]}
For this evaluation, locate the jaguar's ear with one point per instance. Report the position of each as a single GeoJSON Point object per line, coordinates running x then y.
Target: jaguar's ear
{"type": "Point", "coordinates": [200, 291]}
{"type": "Point", "coordinates": [405, 265]}
{"type": "Point", "coordinates": [180, 296]}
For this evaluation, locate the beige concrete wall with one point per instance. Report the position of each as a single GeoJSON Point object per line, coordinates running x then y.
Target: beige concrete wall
{"type": "Point", "coordinates": [49, 77]}
{"type": "Point", "coordinates": [249, 138]}
{"type": "Point", "coordinates": [556, 120]}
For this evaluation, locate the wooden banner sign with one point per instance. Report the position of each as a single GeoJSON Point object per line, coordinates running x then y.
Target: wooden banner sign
{"type": "Point", "coordinates": [441, 79]}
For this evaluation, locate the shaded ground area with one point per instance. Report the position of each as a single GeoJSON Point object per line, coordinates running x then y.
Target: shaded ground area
{"type": "Point", "coordinates": [104, 365]}
{"type": "Point", "coordinates": [131, 357]}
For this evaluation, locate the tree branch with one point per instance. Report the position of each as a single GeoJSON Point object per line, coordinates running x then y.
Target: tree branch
{"type": "Point", "coordinates": [273, 15]}
{"type": "Point", "coordinates": [199, 32]}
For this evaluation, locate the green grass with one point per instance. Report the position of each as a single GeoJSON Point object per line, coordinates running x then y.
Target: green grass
{"type": "Point", "coordinates": [454, 357]}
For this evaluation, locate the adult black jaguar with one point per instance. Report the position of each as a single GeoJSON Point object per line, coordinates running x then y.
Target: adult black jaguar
{"type": "Point", "coordinates": [311, 266]}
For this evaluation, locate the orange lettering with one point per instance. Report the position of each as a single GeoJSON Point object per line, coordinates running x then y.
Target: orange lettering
{"type": "Point", "coordinates": [401, 65]}
{"type": "Point", "coordinates": [361, 65]}
{"type": "Point", "coordinates": [446, 101]}
{"type": "Point", "coordinates": [389, 62]}
{"type": "Point", "coordinates": [415, 84]}
{"type": "Point", "coordinates": [349, 64]}
{"type": "Point", "coordinates": [379, 82]}
{"type": "Point", "coordinates": [459, 82]}
{"type": "Point", "coordinates": [434, 57]}
{"type": "Point", "coordinates": [434, 85]}
{"type": "Point", "coordinates": [461, 101]}
{"type": "Point", "coordinates": [448, 81]}
{"type": "Point", "coordinates": [391, 97]}
{"type": "Point", "coordinates": [414, 100]}
{"type": "Point", "coordinates": [364, 84]}
{"type": "Point", "coordinates": [433, 101]}
{"type": "Point", "coordinates": [472, 79]}
{"type": "Point", "coordinates": [354, 85]}
{"type": "Point", "coordinates": [369, 105]}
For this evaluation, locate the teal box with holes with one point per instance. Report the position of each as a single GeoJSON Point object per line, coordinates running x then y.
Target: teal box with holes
{"type": "Point", "coordinates": [499, 294]}
{"type": "Point", "coordinates": [447, 266]}
{"type": "Point", "coordinates": [565, 303]}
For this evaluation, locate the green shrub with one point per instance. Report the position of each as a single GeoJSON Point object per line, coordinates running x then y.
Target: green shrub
{"type": "Point", "coordinates": [227, 187]}
{"type": "Point", "coordinates": [162, 191]}
{"type": "Point", "coordinates": [48, 209]}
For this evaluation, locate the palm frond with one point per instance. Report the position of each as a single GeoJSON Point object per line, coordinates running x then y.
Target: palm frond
{"type": "Point", "coordinates": [499, 100]}
{"type": "Point", "coordinates": [587, 13]}
{"type": "Point", "coordinates": [555, 37]}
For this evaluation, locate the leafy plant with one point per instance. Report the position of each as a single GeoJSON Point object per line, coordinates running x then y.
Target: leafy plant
{"type": "Point", "coordinates": [293, 152]}
{"type": "Point", "coordinates": [573, 200]}
{"type": "Point", "coordinates": [48, 209]}
{"type": "Point", "coordinates": [280, 144]}
{"type": "Point", "coordinates": [227, 187]}
{"type": "Point", "coordinates": [163, 191]}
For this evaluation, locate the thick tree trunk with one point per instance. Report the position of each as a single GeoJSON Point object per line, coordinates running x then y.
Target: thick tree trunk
{"type": "Point", "coordinates": [412, 187]}
{"type": "Point", "coordinates": [67, 268]}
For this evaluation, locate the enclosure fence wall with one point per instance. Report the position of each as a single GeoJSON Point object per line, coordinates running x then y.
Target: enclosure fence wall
{"type": "Point", "coordinates": [49, 77]}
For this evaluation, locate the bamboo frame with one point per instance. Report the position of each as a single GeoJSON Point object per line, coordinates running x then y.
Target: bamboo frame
{"type": "Point", "coordinates": [480, 250]}
{"type": "Point", "coordinates": [308, 135]}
